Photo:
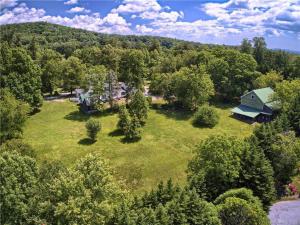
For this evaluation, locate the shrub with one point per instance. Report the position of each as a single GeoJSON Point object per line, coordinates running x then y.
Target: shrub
{"type": "Point", "coordinates": [93, 126]}
{"type": "Point", "coordinates": [206, 116]}
{"type": "Point", "coordinates": [239, 206]}
{"type": "Point", "coordinates": [236, 211]}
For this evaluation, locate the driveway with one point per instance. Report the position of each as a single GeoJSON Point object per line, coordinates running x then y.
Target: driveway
{"type": "Point", "coordinates": [285, 213]}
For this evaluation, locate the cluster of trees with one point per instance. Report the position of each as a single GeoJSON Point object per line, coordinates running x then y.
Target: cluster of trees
{"type": "Point", "coordinates": [88, 194]}
{"type": "Point", "coordinates": [132, 119]}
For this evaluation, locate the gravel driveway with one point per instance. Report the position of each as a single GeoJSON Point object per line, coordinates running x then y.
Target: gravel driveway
{"type": "Point", "coordinates": [285, 213]}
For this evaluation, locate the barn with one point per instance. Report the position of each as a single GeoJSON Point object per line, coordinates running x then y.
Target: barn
{"type": "Point", "coordinates": [256, 106]}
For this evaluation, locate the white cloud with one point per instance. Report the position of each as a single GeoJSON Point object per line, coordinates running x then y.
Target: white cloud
{"type": "Point", "coordinates": [231, 20]}
{"type": "Point", "coordinates": [112, 23]}
{"type": "Point", "coordinates": [137, 6]}
{"type": "Point", "coordinates": [7, 3]}
{"type": "Point", "coordinates": [260, 15]}
{"type": "Point", "coordinates": [71, 2]}
{"type": "Point", "coordinates": [78, 10]}
{"type": "Point", "coordinates": [143, 29]}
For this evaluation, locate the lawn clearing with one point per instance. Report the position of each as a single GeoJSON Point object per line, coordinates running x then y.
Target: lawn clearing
{"type": "Point", "coordinates": [168, 139]}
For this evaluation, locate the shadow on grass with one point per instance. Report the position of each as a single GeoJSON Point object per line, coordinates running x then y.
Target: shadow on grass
{"type": "Point", "coordinates": [34, 111]}
{"type": "Point", "coordinates": [128, 141]}
{"type": "Point", "coordinates": [77, 116]}
{"type": "Point", "coordinates": [86, 141]}
{"type": "Point", "coordinates": [202, 125]}
{"type": "Point", "coordinates": [81, 116]}
{"type": "Point", "coordinates": [173, 113]}
{"type": "Point", "coordinates": [250, 122]}
{"type": "Point", "coordinates": [115, 133]}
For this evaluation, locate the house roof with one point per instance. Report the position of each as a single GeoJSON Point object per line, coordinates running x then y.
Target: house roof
{"type": "Point", "coordinates": [246, 111]}
{"type": "Point", "coordinates": [264, 94]}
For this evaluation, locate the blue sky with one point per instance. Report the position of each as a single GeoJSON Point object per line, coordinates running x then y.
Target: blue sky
{"type": "Point", "coordinates": [206, 21]}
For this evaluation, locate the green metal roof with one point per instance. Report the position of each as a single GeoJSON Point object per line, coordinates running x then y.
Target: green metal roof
{"type": "Point", "coordinates": [246, 111]}
{"type": "Point", "coordinates": [264, 94]}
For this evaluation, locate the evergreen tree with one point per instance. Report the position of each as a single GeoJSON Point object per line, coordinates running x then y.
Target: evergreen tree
{"type": "Point", "coordinates": [138, 106]}
{"type": "Point", "coordinates": [161, 215]}
{"type": "Point", "coordinates": [124, 118]}
{"type": "Point", "coordinates": [257, 173]}
{"type": "Point", "coordinates": [133, 130]}
{"type": "Point", "coordinates": [294, 114]}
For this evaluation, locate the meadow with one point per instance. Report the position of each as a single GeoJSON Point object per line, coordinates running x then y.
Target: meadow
{"type": "Point", "coordinates": [58, 132]}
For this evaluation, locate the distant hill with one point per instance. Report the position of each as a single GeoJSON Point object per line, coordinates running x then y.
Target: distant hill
{"type": "Point", "coordinates": [66, 39]}
{"type": "Point", "coordinates": [290, 51]}
{"type": "Point", "coordinates": [47, 33]}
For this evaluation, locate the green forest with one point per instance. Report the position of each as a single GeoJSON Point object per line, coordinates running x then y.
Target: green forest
{"type": "Point", "coordinates": [173, 156]}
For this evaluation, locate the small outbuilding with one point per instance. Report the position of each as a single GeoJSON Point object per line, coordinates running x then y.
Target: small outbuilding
{"type": "Point", "coordinates": [256, 106]}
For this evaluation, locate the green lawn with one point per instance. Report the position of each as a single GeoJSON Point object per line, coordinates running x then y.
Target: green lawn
{"type": "Point", "coordinates": [168, 139]}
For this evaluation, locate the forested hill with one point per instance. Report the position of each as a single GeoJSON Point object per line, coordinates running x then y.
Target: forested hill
{"type": "Point", "coordinates": [57, 36]}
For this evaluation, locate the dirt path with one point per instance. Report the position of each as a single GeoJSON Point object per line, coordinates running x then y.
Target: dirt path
{"type": "Point", "coordinates": [285, 213]}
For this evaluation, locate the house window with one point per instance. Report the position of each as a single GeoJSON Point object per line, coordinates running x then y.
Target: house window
{"type": "Point", "coordinates": [252, 96]}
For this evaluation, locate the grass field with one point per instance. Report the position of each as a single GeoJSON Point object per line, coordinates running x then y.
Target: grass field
{"type": "Point", "coordinates": [168, 139]}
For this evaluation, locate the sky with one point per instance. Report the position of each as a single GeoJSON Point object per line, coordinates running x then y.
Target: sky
{"type": "Point", "coordinates": [206, 21]}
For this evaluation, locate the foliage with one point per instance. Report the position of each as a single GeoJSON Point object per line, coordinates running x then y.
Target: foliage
{"type": "Point", "coordinates": [281, 148]}
{"type": "Point", "coordinates": [233, 73]}
{"type": "Point", "coordinates": [18, 187]}
{"type": "Point", "coordinates": [20, 75]}
{"type": "Point", "coordinates": [124, 118]}
{"type": "Point", "coordinates": [216, 166]}
{"type": "Point", "coordinates": [257, 173]}
{"type": "Point", "coordinates": [270, 79]}
{"type": "Point", "coordinates": [286, 92]}
{"type": "Point", "coordinates": [86, 194]}
{"type": "Point", "coordinates": [235, 211]}
{"type": "Point", "coordinates": [18, 145]}
{"type": "Point", "coordinates": [132, 68]}
{"type": "Point", "coordinates": [133, 129]}
{"type": "Point", "coordinates": [193, 87]}
{"type": "Point", "coordinates": [206, 116]}
{"type": "Point", "coordinates": [73, 71]}
{"type": "Point", "coordinates": [95, 79]}
{"type": "Point", "coordinates": [13, 114]}
{"type": "Point", "coordinates": [259, 52]}
{"type": "Point", "coordinates": [51, 63]}
{"type": "Point", "coordinates": [93, 127]}
{"type": "Point", "coordinates": [284, 159]}
{"type": "Point", "coordinates": [167, 204]}
{"type": "Point", "coordinates": [139, 106]}
{"type": "Point", "coordinates": [246, 46]}
{"type": "Point", "coordinates": [294, 114]}
{"type": "Point", "coordinates": [113, 86]}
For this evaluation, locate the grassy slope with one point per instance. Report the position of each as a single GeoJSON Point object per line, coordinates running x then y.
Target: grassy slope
{"type": "Point", "coordinates": [58, 132]}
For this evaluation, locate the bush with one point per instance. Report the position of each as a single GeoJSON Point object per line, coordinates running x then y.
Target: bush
{"type": "Point", "coordinates": [236, 211]}
{"type": "Point", "coordinates": [93, 126]}
{"type": "Point", "coordinates": [206, 116]}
